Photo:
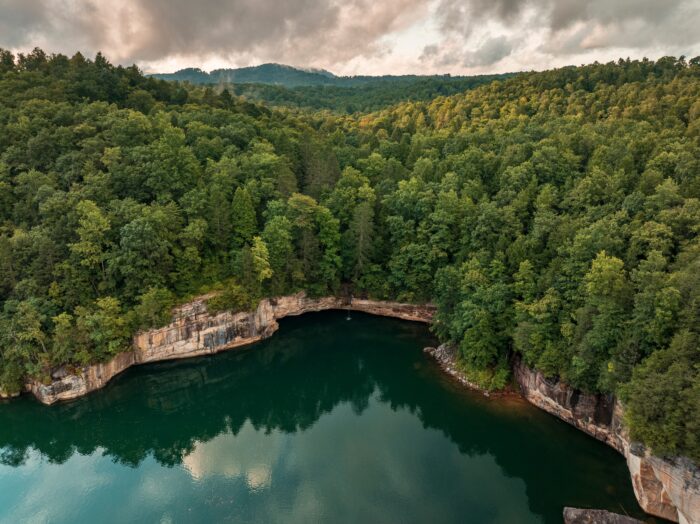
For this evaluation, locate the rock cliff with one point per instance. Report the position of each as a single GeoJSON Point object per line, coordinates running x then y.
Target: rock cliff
{"type": "Point", "coordinates": [195, 332]}
{"type": "Point", "coordinates": [67, 386]}
{"type": "Point", "coordinates": [668, 488]}
{"type": "Point", "coordinates": [664, 487]}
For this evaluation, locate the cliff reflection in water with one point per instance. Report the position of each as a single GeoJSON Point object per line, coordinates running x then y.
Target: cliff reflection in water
{"type": "Point", "coordinates": [206, 416]}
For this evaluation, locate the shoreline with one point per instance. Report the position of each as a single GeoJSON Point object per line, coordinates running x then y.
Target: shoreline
{"type": "Point", "coordinates": [664, 487]}
{"type": "Point", "coordinates": [667, 488]}
{"type": "Point", "coordinates": [446, 357]}
{"type": "Point", "coordinates": [195, 332]}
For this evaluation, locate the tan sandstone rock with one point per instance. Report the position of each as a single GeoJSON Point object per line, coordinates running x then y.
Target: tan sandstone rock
{"type": "Point", "coordinates": [195, 332]}
{"type": "Point", "coordinates": [667, 488]}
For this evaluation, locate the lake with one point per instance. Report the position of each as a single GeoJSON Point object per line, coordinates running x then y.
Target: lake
{"type": "Point", "coordinates": [330, 420]}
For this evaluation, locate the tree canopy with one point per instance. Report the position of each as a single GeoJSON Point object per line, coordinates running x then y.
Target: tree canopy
{"type": "Point", "coordinates": [554, 215]}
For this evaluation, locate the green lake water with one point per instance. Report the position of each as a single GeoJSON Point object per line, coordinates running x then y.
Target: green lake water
{"type": "Point", "coordinates": [330, 420]}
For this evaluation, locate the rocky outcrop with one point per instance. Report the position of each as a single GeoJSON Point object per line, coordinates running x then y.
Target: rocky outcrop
{"type": "Point", "coordinates": [668, 488]}
{"type": "Point", "coordinates": [446, 355]}
{"type": "Point", "coordinates": [67, 386]}
{"type": "Point", "coordinates": [595, 516]}
{"type": "Point", "coordinates": [5, 395]}
{"type": "Point", "coordinates": [665, 487]}
{"type": "Point", "coordinates": [415, 313]}
{"type": "Point", "coordinates": [592, 414]}
{"type": "Point", "coordinates": [195, 332]}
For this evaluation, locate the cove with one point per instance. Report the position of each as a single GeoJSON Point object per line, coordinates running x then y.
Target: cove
{"type": "Point", "coordinates": [329, 420]}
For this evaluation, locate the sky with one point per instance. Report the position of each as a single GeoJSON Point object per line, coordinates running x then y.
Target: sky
{"type": "Point", "coordinates": [355, 36]}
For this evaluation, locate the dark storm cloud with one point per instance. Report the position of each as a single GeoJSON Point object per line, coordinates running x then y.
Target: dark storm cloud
{"type": "Point", "coordinates": [487, 52]}
{"type": "Point", "coordinates": [181, 26]}
{"type": "Point", "coordinates": [18, 17]}
{"type": "Point", "coordinates": [480, 33]}
{"type": "Point", "coordinates": [299, 31]}
{"type": "Point", "coordinates": [567, 12]}
{"type": "Point", "coordinates": [560, 14]}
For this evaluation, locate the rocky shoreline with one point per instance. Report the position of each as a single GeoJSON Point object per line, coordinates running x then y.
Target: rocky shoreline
{"type": "Point", "coordinates": [446, 356]}
{"type": "Point", "coordinates": [664, 487]}
{"type": "Point", "coordinates": [668, 488]}
{"type": "Point", "coordinates": [195, 332]}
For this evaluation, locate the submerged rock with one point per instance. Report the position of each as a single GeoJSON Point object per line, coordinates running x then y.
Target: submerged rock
{"type": "Point", "coordinates": [596, 516]}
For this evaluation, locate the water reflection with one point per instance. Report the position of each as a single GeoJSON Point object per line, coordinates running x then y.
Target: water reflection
{"type": "Point", "coordinates": [236, 456]}
{"type": "Point", "coordinates": [327, 418]}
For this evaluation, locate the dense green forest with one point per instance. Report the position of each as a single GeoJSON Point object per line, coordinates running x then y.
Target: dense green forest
{"type": "Point", "coordinates": [554, 215]}
{"type": "Point", "coordinates": [285, 86]}
{"type": "Point", "coordinates": [363, 97]}
{"type": "Point", "coordinates": [281, 75]}
{"type": "Point", "coordinates": [277, 74]}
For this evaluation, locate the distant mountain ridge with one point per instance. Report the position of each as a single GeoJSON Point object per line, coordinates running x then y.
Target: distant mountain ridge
{"type": "Point", "coordinates": [276, 74]}
{"type": "Point", "coordinates": [280, 74]}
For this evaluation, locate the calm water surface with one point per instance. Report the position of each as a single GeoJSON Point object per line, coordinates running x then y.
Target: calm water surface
{"type": "Point", "coordinates": [328, 421]}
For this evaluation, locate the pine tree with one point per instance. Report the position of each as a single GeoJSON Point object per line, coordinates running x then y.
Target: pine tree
{"type": "Point", "coordinates": [243, 218]}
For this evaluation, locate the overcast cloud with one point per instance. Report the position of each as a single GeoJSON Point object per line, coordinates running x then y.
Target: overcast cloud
{"type": "Point", "coordinates": [356, 36]}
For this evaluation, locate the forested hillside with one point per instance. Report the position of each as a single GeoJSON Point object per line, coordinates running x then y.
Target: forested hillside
{"type": "Point", "coordinates": [365, 97]}
{"type": "Point", "coordinates": [285, 86]}
{"type": "Point", "coordinates": [276, 74]}
{"type": "Point", "coordinates": [555, 215]}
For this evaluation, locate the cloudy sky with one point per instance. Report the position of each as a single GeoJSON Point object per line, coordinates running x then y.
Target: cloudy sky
{"type": "Point", "coordinates": [356, 36]}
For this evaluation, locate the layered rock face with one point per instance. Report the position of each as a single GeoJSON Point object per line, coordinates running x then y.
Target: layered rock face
{"type": "Point", "coordinates": [593, 414]}
{"type": "Point", "coordinates": [67, 386]}
{"type": "Point", "coordinates": [195, 332]}
{"type": "Point", "coordinates": [668, 488]}
{"type": "Point", "coordinates": [664, 487]}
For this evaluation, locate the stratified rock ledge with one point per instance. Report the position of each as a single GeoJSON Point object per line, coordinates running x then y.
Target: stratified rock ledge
{"type": "Point", "coordinates": [665, 487]}
{"type": "Point", "coordinates": [195, 332]}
